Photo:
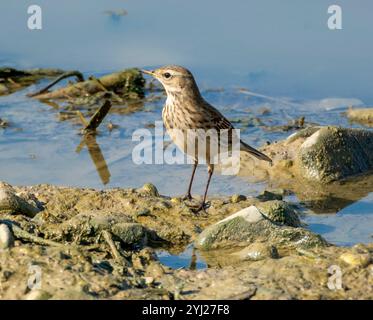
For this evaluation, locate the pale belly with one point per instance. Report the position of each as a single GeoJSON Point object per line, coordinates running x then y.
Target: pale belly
{"type": "Point", "coordinates": [206, 146]}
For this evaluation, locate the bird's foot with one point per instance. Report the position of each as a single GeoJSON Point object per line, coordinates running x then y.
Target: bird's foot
{"type": "Point", "coordinates": [188, 196]}
{"type": "Point", "coordinates": [201, 208]}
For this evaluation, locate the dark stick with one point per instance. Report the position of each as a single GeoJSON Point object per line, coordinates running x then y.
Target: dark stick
{"type": "Point", "coordinates": [98, 116]}
{"type": "Point", "coordinates": [65, 75]}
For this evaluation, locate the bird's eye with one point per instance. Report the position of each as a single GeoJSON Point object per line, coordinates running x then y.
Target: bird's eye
{"type": "Point", "coordinates": [167, 75]}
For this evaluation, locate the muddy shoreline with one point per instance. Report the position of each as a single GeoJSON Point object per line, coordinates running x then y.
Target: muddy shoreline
{"type": "Point", "coordinates": [102, 244]}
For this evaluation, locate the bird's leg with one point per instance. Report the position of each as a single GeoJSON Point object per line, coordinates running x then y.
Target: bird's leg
{"type": "Point", "coordinates": [188, 195]}
{"type": "Point", "coordinates": [204, 205]}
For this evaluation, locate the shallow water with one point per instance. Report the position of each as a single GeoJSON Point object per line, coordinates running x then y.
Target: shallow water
{"type": "Point", "coordinates": [188, 259]}
{"type": "Point", "coordinates": [38, 148]}
{"type": "Point", "coordinates": [292, 67]}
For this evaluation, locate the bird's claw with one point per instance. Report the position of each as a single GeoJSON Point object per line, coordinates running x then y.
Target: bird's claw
{"type": "Point", "coordinates": [201, 208]}
{"type": "Point", "coordinates": [188, 196]}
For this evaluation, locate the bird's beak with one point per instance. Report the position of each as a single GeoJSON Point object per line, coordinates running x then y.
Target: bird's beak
{"type": "Point", "coordinates": [151, 73]}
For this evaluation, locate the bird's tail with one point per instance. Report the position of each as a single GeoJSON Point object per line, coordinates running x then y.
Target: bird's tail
{"type": "Point", "coordinates": [254, 152]}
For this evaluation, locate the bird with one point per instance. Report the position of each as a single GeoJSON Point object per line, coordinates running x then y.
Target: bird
{"type": "Point", "coordinates": [186, 110]}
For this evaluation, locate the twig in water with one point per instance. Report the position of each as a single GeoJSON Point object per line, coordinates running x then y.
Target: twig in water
{"type": "Point", "coordinates": [99, 115]}
{"type": "Point", "coordinates": [65, 75]}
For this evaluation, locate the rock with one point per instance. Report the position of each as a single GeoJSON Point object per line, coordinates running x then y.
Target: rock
{"type": "Point", "coordinates": [279, 212]}
{"type": "Point", "coordinates": [270, 195]}
{"type": "Point", "coordinates": [327, 168]}
{"type": "Point", "coordinates": [176, 200]}
{"type": "Point", "coordinates": [38, 294]}
{"type": "Point", "coordinates": [237, 198]}
{"type": "Point", "coordinates": [149, 280]}
{"type": "Point", "coordinates": [332, 154]}
{"type": "Point", "coordinates": [356, 259]}
{"type": "Point", "coordinates": [149, 189]}
{"type": "Point", "coordinates": [257, 251]}
{"type": "Point", "coordinates": [143, 213]}
{"type": "Point", "coordinates": [250, 214]}
{"type": "Point", "coordinates": [361, 115]}
{"type": "Point", "coordinates": [130, 233]}
{"type": "Point", "coordinates": [6, 237]}
{"type": "Point", "coordinates": [273, 222]}
{"type": "Point", "coordinates": [12, 204]}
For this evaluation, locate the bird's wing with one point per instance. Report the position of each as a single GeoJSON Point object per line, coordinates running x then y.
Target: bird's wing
{"type": "Point", "coordinates": [215, 120]}
{"type": "Point", "coordinates": [219, 122]}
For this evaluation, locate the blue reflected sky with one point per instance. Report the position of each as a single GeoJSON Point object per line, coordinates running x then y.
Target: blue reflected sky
{"type": "Point", "coordinates": [275, 47]}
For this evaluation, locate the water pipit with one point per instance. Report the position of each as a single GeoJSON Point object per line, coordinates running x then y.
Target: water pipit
{"type": "Point", "coordinates": [186, 111]}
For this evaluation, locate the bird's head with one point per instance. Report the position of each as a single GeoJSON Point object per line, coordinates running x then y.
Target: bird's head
{"type": "Point", "coordinates": [174, 78]}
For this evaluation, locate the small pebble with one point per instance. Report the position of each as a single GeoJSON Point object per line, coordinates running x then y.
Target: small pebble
{"type": "Point", "coordinates": [6, 237]}
{"type": "Point", "coordinates": [237, 198]}
{"type": "Point", "coordinates": [150, 189]}
{"type": "Point", "coordinates": [176, 200]}
{"type": "Point", "coordinates": [267, 195]}
{"type": "Point", "coordinates": [356, 259]}
{"type": "Point", "coordinates": [149, 280]}
{"type": "Point", "coordinates": [38, 294]}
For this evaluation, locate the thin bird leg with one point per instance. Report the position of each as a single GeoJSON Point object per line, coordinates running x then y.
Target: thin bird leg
{"type": "Point", "coordinates": [204, 205]}
{"type": "Point", "coordinates": [188, 195]}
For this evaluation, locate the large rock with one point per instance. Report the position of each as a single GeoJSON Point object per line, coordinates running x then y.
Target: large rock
{"type": "Point", "coordinates": [332, 154]}
{"type": "Point", "coordinates": [328, 168]}
{"type": "Point", "coordinates": [315, 154]}
{"type": "Point", "coordinates": [272, 222]}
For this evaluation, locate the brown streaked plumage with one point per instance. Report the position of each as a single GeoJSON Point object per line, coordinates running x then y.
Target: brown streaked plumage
{"type": "Point", "coordinates": [186, 109]}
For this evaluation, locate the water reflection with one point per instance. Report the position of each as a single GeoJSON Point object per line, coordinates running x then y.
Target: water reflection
{"type": "Point", "coordinates": [89, 140]}
{"type": "Point", "coordinates": [189, 258]}
{"type": "Point", "coordinates": [333, 197]}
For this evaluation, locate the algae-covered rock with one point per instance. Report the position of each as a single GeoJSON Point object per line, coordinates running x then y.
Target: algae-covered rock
{"type": "Point", "coordinates": [130, 233]}
{"type": "Point", "coordinates": [316, 154]}
{"type": "Point", "coordinates": [279, 212]}
{"type": "Point", "coordinates": [333, 153]}
{"type": "Point", "coordinates": [127, 83]}
{"type": "Point", "coordinates": [273, 222]}
{"type": "Point", "coordinates": [11, 203]}
{"type": "Point", "coordinates": [327, 168]}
